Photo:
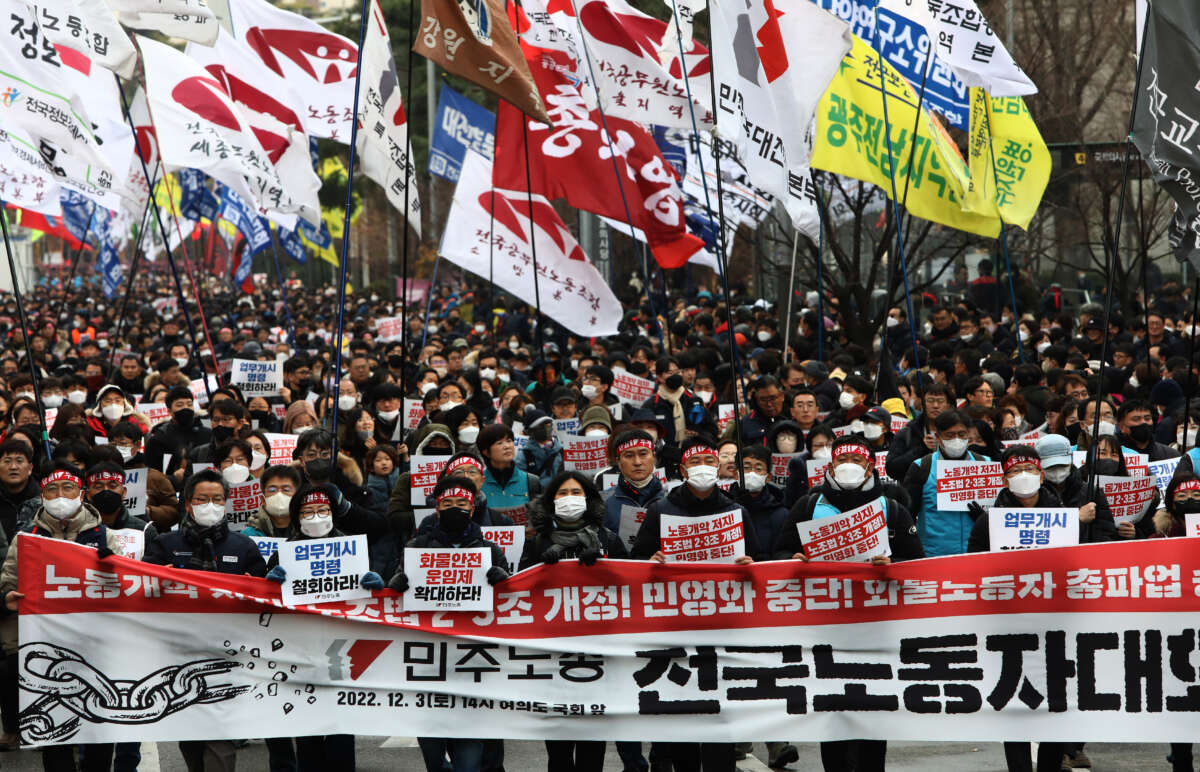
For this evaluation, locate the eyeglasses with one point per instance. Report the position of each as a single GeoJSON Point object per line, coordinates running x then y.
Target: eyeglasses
{"type": "Point", "coordinates": [271, 490]}
{"type": "Point", "coordinates": [309, 514]}
{"type": "Point", "coordinates": [316, 455]}
{"type": "Point", "coordinates": [200, 501]}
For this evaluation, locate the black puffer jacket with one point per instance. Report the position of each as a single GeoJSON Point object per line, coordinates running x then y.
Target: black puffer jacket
{"type": "Point", "coordinates": [980, 539]}
{"type": "Point", "coordinates": [681, 502]}
{"type": "Point", "coordinates": [542, 522]}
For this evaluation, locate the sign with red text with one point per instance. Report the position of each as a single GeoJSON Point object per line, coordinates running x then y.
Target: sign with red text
{"type": "Point", "coordinates": [1192, 524]}
{"type": "Point", "coordinates": [244, 500]}
{"type": "Point", "coordinates": [511, 539]}
{"type": "Point", "coordinates": [1128, 497]}
{"type": "Point", "coordinates": [631, 389]}
{"type": "Point", "coordinates": [423, 476]}
{"type": "Point", "coordinates": [961, 482]}
{"type": "Point", "coordinates": [724, 418]}
{"type": "Point", "coordinates": [413, 412]}
{"type": "Point", "coordinates": [282, 447]}
{"type": "Point", "coordinates": [132, 541]}
{"type": "Point", "coordinates": [857, 535]}
{"type": "Point", "coordinates": [715, 538]}
{"type": "Point", "coordinates": [155, 412]}
{"type": "Point", "coordinates": [448, 579]}
{"type": "Point", "coordinates": [585, 454]}
{"type": "Point", "coordinates": [389, 328]}
{"type": "Point", "coordinates": [779, 467]}
{"type": "Point", "coordinates": [630, 523]}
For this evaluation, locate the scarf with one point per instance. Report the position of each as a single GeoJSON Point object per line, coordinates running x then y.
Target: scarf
{"type": "Point", "coordinates": [578, 536]}
{"type": "Point", "coordinates": [673, 397]}
{"type": "Point", "coordinates": [205, 558]}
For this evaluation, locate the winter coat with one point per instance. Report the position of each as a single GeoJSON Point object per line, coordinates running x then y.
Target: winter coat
{"type": "Point", "coordinates": [625, 495]}
{"type": "Point", "coordinates": [379, 490]}
{"type": "Point", "coordinates": [170, 437]}
{"type": "Point", "coordinates": [543, 525]}
{"type": "Point", "coordinates": [766, 511]}
{"type": "Point", "coordinates": [100, 425]}
{"type": "Point", "coordinates": [682, 502]}
{"type": "Point", "coordinates": [436, 538]}
{"type": "Point", "coordinates": [11, 503]}
{"type": "Point", "coordinates": [1073, 493]}
{"type": "Point", "coordinates": [541, 461]}
{"type": "Point", "coordinates": [233, 552]}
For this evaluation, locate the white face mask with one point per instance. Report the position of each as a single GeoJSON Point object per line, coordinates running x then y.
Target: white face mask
{"type": "Point", "coordinates": [450, 405]}
{"type": "Point", "coordinates": [427, 386]}
{"type": "Point", "coordinates": [468, 434]}
{"type": "Point", "coordinates": [589, 391]}
{"type": "Point", "coordinates": [126, 452]}
{"type": "Point", "coordinates": [1191, 438]}
{"type": "Point", "coordinates": [316, 527]}
{"type": "Point", "coordinates": [487, 373]}
{"type": "Point", "coordinates": [1024, 336]}
{"type": "Point", "coordinates": [52, 400]}
{"type": "Point", "coordinates": [208, 515]}
{"type": "Point", "coordinates": [182, 361]}
{"type": "Point", "coordinates": [702, 478]}
{"type": "Point", "coordinates": [872, 431]}
{"type": "Point", "coordinates": [388, 415]}
{"type": "Point", "coordinates": [1024, 483]}
{"type": "Point", "coordinates": [849, 475]}
{"type": "Point", "coordinates": [755, 482]}
{"type": "Point", "coordinates": [432, 328]}
{"type": "Point", "coordinates": [763, 336]}
{"type": "Point", "coordinates": [823, 453]}
{"type": "Point", "coordinates": [1041, 347]}
{"type": "Point", "coordinates": [704, 396]}
{"type": "Point", "coordinates": [480, 329]}
{"type": "Point", "coordinates": [892, 321]}
{"type": "Point", "coordinates": [595, 433]}
{"type": "Point", "coordinates": [570, 508]}
{"type": "Point", "coordinates": [1106, 427]}
{"type": "Point", "coordinates": [1133, 381]}
{"type": "Point", "coordinates": [77, 397]}
{"type": "Point", "coordinates": [298, 430]}
{"type": "Point", "coordinates": [62, 508]}
{"type": "Point", "coordinates": [235, 473]}
{"type": "Point", "coordinates": [258, 460]}
{"type": "Point", "coordinates": [786, 442]}
{"type": "Point", "coordinates": [966, 336]}
{"type": "Point", "coordinates": [278, 504]}
{"type": "Point", "coordinates": [954, 448]}
{"type": "Point", "coordinates": [1056, 474]}
{"type": "Point", "coordinates": [347, 402]}
{"type": "Point", "coordinates": [856, 427]}
{"type": "Point", "coordinates": [846, 400]}
{"type": "Point", "coordinates": [112, 411]}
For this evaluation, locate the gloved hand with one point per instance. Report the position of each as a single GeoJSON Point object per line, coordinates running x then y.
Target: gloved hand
{"type": "Point", "coordinates": [337, 502]}
{"type": "Point", "coordinates": [496, 574]}
{"type": "Point", "coordinates": [976, 510]}
{"type": "Point", "coordinates": [553, 554]}
{"type": "Point", "coordinates": [278, 574]}
{"type": "Point", "coordinates": [372, 581]}
{"type": "Point", "coordinates": [589, 557]}
{"type": "Point", "coordinates": [103, 552]}
{"type": "Point", "coordinates": [399, 582]}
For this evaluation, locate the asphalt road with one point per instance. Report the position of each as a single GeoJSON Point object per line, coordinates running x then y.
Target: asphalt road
{"type": "Point", "coordinates": [401, 753]}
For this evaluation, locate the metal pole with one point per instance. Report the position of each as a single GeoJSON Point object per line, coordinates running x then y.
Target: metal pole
{"type": "Point", "coordinates": [787, 319]}
{"type": "Point", "coordinates": [12, 269]}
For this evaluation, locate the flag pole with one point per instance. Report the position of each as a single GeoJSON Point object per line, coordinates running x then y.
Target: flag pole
{"type": "Point", "coordinates": [133, 261]}
{"type": "Point", "coordinates": [437, 262]}
{"type": "Point", "coordinates": [337, 352]}
{"type": "Point", "coordinates": [787, 319]}
{"type": "Point", "coordinates": [12, 270]}
{"type": "Point", "coordinates": [287, 311]}
{"type": "Point", "coordinates": [79, 252]}
{"type": "Point", "coordinates": [409, 167]}
{"type": "Point", "coordinates": [539, 336]}
{"type": "Point", "coordinates": [1191, 390]}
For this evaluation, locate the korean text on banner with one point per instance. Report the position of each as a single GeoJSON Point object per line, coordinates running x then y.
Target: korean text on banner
{"type": "Point", "coordinates": [857, 535]}
{"type": "Point", "coordinates": [779, 467]}
{"type": "Point", "coordinates": [724, 418]}
{"type": "Point", "coordinates": [135, 491]}
{"type": "Point", "coordinates": [258, 379]}
{"type": "Point", "coordinates": [448, 579]}
{"type": "Point", "coordinates": [423, 476]}
{"type": "Point", "coordinates": [1129, 498]}
{"type": "Point", "coordinates": [244, 500]}
{"type": "Point", "coordinates": [1192, 524]}
{"type": "Point", "coordinates": [1024, 529]}
{"type": "Point", "coordinates": [389, 328]}
{"type": "Point", "coordinates": [282, 447]}
{"type": "Point", "coordinates": [715, 538]}
{"type": "Point", "coordinates": [631, 521]}
{"type": "Point", "coordinates": [816, 470]}
{"type": "Point", "coordinates": [585, 454]}
{"type": "Point", "coordinates": [1162, 472]}
{"type": "Point", "coordinates": [267, 545]}
{"type": "Point", "coordinates": [414, 411]}
{"type": "Point", "coordinates": [631, 389]}
{"type": "Point", "coordinates": [511, 539]}
{"type": "Point", "coordinates": [961, 482]}
{"type": "Point", "coordinates": [132, 541]}
{"type": "Point", "coordinates": [324, 570]}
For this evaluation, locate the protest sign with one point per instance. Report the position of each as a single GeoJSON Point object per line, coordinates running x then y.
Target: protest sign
{"type": "Point", "coordinates": [715, 538]}
{"type": "Point", "coordinates": [1135, 463]}
{"type": "Point", "coordinates": [585, 454]}
{"type": "Point", "coordinates": [155, 412]}
{"type": "Point", "coordinates": [899, 422]}
{"type": "Point", "coordinates": [857, 535]}
{"type": "Point", "coordinates": [724, 418]}
{"type": "Point", "coordinates": [566, 427]}
{"type": "Point", "coordinates": [423, 476]}
{"type": "Point", "coordinates": [282, 447]}
{"type": "Point", "coordinates": [413, 411]}
{"type": "Point", "coordinates": [779, 467]}
{"type": "Point", "coordinates": [135, 491]}
{"type": "Point", "coordinates": [631, 389]}
{"type": "Point", "coordinates": [1128, 497]}
{"type": "Point", "coordinates": [258, 379]}
{"type": "Point", "coordinates": [267, 545]}
{"type": "Point", "coordinates": [511, 539]}
{"type": "Point", "coordinates": [448, 579]}
{"type": "Point", "coordinates": [1162, 472]}
{"type": "Point", "coordinates": [51, 416]}
{"type": "Point", "coordinates": [389, 328]}
{"type": "Point", "coordinates": [961, 482]}
{"type": "Point", "coordinates": [132, 541]}
{"type": "Point", "coordinates": [629, 524]}
{"type": "Point", "coordinates": [611, 479]}
{"type": "Point", "coordinates": [1024, 529]}
{"type": "Point", "coordinates": [323, 570]}
{"type": "Point", "coordinates": [244, 500]}
{"type": "Point", "coordinates": [1192, 524]}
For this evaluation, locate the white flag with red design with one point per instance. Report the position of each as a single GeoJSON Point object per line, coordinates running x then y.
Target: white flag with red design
{"type": "Point", "coordinates": [318, 64]}
{"type": "Point", "coordinates": [89, 27]}
{"type": "Point", "coordinates": [572, 291]}
{"type": "Point", "coordinates": [383, 147]}
{"type": "Point", "coordinates": [185, 19]}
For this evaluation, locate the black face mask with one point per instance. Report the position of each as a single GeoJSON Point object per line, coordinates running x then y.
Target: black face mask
{"type": "Point", "coordinates": [221, 434]}
{"type": "Point", "coordinates": [107, 502]}
{"type": "Point", "coordinates": [980, 450]}
{"type": "Point", "coordinates": [306, 385]}
{"type": "Point", "coordinates": [185, 417]}
{"type": "Point", "coordinates": [454, 520]}
{"type": "Point", "coordinates": [673, 382]}
{"type": "Point", "coordinates": [1072, 433]}
{"type": "Point", "coordinates": [262, 416]}
{"type": "Point", "coordinates": [317, 470]}
{"type": "Point", "coordinates": [1107, 467]}
{"type": "Point", "coordinates": [1141, 433]}
{"type": "Point", "coordinates": [395, 361]}
{"type": "Point", "coordinates": [1188, 507]}
{"type": "Point", "coordinates": [437, 451]}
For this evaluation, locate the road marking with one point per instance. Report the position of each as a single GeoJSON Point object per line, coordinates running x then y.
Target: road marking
{"type": "Point", "coordinates": [399, 742]}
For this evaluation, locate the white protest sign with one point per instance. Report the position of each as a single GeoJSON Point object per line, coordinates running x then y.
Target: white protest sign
{"type": "Point", "coordinates": [267, 545]}
{"type": "Point", "coordinates": [244, 500]}
{"type": "Point", "coordinates": [779, 467]}
{"type": "Point", "coordinates": [585, 454]}
{"type": "Point", "coordinates": [1025, 529]}
{"type": "Point", "coordinates": [511, 539]}
{"type": "Point", "coordinates": [389, 328]}
{"type": "Point", "coordinates": [961, 482]}
{"type": "Point", "coordinates": [724, 418]}
{"type": "Point", "coordinates": [155, 412]}
{"type": "Point", "coordinates": [412, 411]}
{"type": "Point", "coordinates": [899, 422]}
{"type": "Point", "coordinates": [566, 427]}
{"type": "Point", "coordinates": [857, 535]}
{"type": "Point", "coordinates": [447, 579]}
{"type": "Point", "coordinates": [1136, 463]}
{"type": "Point", "coordinates": [258, 379]}
{"type": "Point", "coordinates": [51, 417]}
{"type": "Point", "coordinates": [816, 470]}
{"type": "Point", "coordinates": [1162, 472]}
{"type": "Point", "coordinates": [132, 541]}
{"type": "Point", "coordinates": [323, 570]}
{"type": "Point", "coordinates": [715, 538]}
{"type": "Point", "coordinates": [630, 523]}
{"type": "Point", "coordinates": [135, 491]}
{"type": "Point", "coordinates": [423, 476]}
{"type": "Point", "coordinates": [611, 479]}
{"type": "Point", "coordinates": [1192, 524]}
{"type": "Point", "coordinates": [282, 446]}
{"type": "Point", "coordinates": [631, 389]}
{"type": "Point", "coordinates": [1128, 497]}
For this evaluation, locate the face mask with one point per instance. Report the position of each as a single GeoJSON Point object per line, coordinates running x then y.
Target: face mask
{"type": "Point", "coordinates": [872, 431]}
{"type": "Point", "coordinates": [235, 473]}
{"type": "Point", "coordinates": [448, 406]}
{"type": "Point", "coordinates": [702, 478]}
{"type": "Point", "coordinates": [849, 475]}
{"type": "Point", "coordinates": [487, 373]}
{"type": "Point", "coordinates": [823, 453]}
{"type": "Point", "coordinates": [856, 427]}
{"type": "Point", "coordinates": [432, 328]}
{"type": "Point", "coordinates": [258, 460]}
{"type": "Point", "coordinates": [441, 371]}
{"type": "Point", "coordinates": [208, 515]}
{"type": "Point", "coordinates": [570, 508]}
{"type": "Point", "coordinates": [427, 387]}
{"type": "Point", "coordinates": [77, 397]}
{"type": "Point", "coordinates": [278, 504]}
{"type": "Point", "coordinates": [182, 361]}
{"type": "Point", "coordinates": [1024, 484]}
{"type": "Point", "coordinates": [846, 400]}
{"type": "Point", "coordinates": [1191, 438]}
{"type": "Point", "coordinates": [261, 416]}
{"type": "Point", "coordinates": [755, 482]}
{"type": "Point", "coordinates": [126, 452]}
{"type": "Point", "coordinates": [595, 433]}
{"type": "Point", "coordinates": [1041, 347]}
{"type": "Point", "coordinates": [514, 344]}
{"type": "Point", "coordinates": [317, 471]}
{"type": "Point", "coordinates": [107, 502]}
{"type": "Point", "coordinates": [316, 527]}
{"type": "Point", "coordinates": [347, 402]}
{"type": "Point", "coordinates": [589, 391]}
{"type": "Point", "coordinates": [112, 411]}
{"type": "Point", "coordinates": [54, 400]}
{"type": "Point", "coordinates": [1109, 467]}
{"type": "Point", "coordinates": [954, 448]}
{"type": "Point", "coordinates": [966, 336]}
{"type": "Point", "coordinates": [63, 508]}
{"type": "Point", "coordinates": [618, 369]}
{"type": "Point", "coordinates": [1056, 474]}
{"type": "Point", "coordinates": [673, 382]}
{"type": "Point", "coordinates": [892, 322]}
{"type": "Point", "coordinates": [454, 520]}
{"type": "Point", "coordinates": [185, 417]}
{"type": "Point", "coordinates": [1024, 336]}
{"type": "Point", "coordinates": [705, 396]}
{"type": "Point", "coordinates": [468, 434]}
{"type": "Point", "coordinates": [1133, 381]}
{"type": "Point", "coordinates": [480, 329]}
{"type": "Point", "coordinates": [763, 336]}
{"type": "Point", "coordinates": [24, 394]}
{"type": "Point", "coordinates": [786, 442]}
{"type": "Point", "coordinates": [221, 434]}
{"type": "Point", "coordinates": [388, 415]}
{"type": "Point", "coordinates": [1141, 433]}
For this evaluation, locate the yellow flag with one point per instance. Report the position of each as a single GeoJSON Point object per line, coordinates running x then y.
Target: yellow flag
{"type": "Point", "coordinates": [1016, 184]}
{"type": "Point", "coordinates": [850, 141]}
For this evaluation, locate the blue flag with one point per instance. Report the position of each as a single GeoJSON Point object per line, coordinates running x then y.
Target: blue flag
{"type": "Point", "coordinates": [195, 199]}
{"type": "Point", "coordinates": [111, 270]}
{"type": "Point", "coordinates": [461, 124]}
{"type": "Point", "coordinates": [320, 238]}
{"type": "Point", "coordinates": [254, 228]}
{"type": "Point", "coordinates": [292, 245]}
{"type": "Point", "coordinates": [77, 211]}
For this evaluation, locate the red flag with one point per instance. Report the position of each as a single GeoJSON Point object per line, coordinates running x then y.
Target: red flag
{"type": "Point", "coordinates": [51, 226]}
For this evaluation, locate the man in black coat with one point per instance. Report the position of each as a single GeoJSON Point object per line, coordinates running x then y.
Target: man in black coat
{"type": "Point", "coordinates": [179, 435]}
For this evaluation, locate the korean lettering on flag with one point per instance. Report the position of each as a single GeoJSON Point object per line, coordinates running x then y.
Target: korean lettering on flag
{"type": "Point", "coordinates": [461, 124]}
{"type": "Point", "coordinates": [196, 200]}
{"type": "Point", "coordinates": [448, 579]}
{"type": "Point", "coordinates": [112, 273]}
{"type": "Point", "coordinates": [1023, 529]}
{"type": "Point", "coordinates": [25, 180]}
{"type": "Point", "coordinates": [323, 570]}
{"type": "Point", "coordinates": [1008, 160]}
{"type": "Point", "coordinates": [857, 535]}
{"type": "Point", "coordinates": [186, 19]}
{"type": "Point", "coordinates": [89, 27]}
{"type": "Point", "coordinates": [715, 538]}
{"type": "Point", "coordinates": [961, 482]}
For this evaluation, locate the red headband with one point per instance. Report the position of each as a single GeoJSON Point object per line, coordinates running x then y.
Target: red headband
{"type": "Point", "coordinates": [61, 475]}
{"type": "Point", "coordinates": [464, 461]}
{"type": "Point", "coordinates": [636, 442]}
{"type": "Point", "coordinates": [1009, 464]}
{"type": "Point", "coordinates": [1188, 485]}
{"type": "Point", "coordinates": [316, 497]}
{"type": "Point", "coordinates": [855, 448]}
{"type": "Point", "coordinates": [106, 477]}
{"type": "Point", "coordinates": [462, 493]}
{"type": "Point", "coordinates": [697, 450]}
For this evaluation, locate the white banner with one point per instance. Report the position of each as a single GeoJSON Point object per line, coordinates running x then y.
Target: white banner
{"type": "Point", "coordinates": [282, 447]}
{"type": "Point", "coordinates": [1162, 472]}
{"type": "Point", "coordinates": [1026, 529]}
{"type": "Point", "coordinates": [132, 541]}
{"type": "Point", "coordinates": [631, 389]}
{"type": "Point", "coordinates": [718, 538]}
{"type": "Point", "coordinates": [585, 454]}
{"type": "Point", "coordinates": [414, 411]}
{"type": "Point", "coordinates": [135, 491]}
{"type": "Point", "coordinates": [961, 482]}
{"type": "Point", "coordinates": [1128, 497]}
{"type": "Point", "coordinates": [324, 570]}
{"type": "Point", "coordinates": [857, 535]}
{"type": "Point", "coordinates": [389, 328]}
{"type": "Point", "coordinates": [258, 379]}
{"type": "Point", "coordinates": [423, 476]}
{"type": "Point", "coordinates": [244, 500]}
{"type": "Point", "coordinates": [511, 539]}
{"type": "Point", "coordinates": [448, 579]}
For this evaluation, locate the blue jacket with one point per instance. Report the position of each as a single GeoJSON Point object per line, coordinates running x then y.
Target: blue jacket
{"type": "Point", "coordinates": [625, 495]}
{"type": "Point", "coordinates": [942, 532]}
{"type": "Point", "coordinates": [541, 462]}
{"type": "Point", "coordinates": [379, 490]}
{"type": "Point", "coordinates": [511, 498]}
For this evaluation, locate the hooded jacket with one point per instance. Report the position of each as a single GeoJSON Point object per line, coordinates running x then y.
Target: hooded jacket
{"type": "Point", "coordinates": [543, 524]}
{"type": "Point", "coordinates": [784, 424]}
{"type": "Point", "coordinates": [682, 502]}
{"type": "Point", "coordinates": [99, 424]}
{"type": "Point", "coordinates": [401, 519]}
{"type": "Point", "coordinates": [541, 461]}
